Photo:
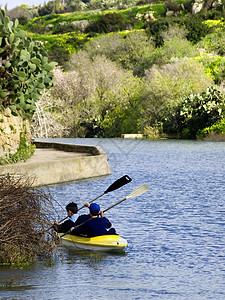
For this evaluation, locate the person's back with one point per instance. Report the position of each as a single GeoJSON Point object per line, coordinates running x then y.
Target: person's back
{"type": "Point", "coordinates": [81, 219]}
{"type": "Point", "coordinates": [95, 226]}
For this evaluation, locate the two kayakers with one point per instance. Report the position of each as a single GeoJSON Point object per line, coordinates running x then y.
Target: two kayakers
{"type": "Point", "coordinates": [95, 226]}
{"type": "Point", "coordinates": [72, 209]}
{"type": "Point", "coordinates": [87, 224]}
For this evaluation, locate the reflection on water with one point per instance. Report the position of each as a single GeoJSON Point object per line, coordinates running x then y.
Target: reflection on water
{"type": "Point", "coordinates": [91, 258]}
{"type": "Point", "coordinates": [175, 232]}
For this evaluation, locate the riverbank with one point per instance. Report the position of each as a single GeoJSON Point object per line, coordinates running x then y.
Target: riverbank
{"type": "Point", "coordinates": [54, 163]}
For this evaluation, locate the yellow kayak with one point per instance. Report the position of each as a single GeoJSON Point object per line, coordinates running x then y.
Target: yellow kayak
{"type": "Point", "coordinates": [98, 243]}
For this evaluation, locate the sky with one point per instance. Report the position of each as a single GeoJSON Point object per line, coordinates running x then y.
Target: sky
{"type": "Point", "coordinates": [13, 3]}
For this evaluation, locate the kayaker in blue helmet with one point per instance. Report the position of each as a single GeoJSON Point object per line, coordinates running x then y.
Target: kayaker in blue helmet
{"type": "Point", "coordinates": [96, 225]}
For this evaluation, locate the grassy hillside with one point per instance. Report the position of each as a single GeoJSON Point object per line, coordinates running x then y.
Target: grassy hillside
{"type": "Point", "coordinates": [155, 69]}
{"type": "Point", "coordinates": [65, 33]}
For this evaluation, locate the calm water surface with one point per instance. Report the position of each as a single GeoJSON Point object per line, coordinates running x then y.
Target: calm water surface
{"type": "Point", "coordinates": [175, 231]}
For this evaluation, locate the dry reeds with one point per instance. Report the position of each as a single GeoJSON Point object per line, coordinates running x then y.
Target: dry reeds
{"type": "Point", "coordinates": [25, 214]}
{"type": "Point", "coordinates": [214, 137]}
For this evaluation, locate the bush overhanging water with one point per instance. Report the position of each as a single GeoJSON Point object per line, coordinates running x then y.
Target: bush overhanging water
{"type": "Point", "coordinates": [26, 213]}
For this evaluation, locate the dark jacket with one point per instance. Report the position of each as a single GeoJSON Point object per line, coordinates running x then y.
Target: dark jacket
{"type": "Point", "coordinates": [65, 226]}
{"type": "Point", "coordinates": [93, 227]}
{"type": "Point", "coordinates": [81, 219]}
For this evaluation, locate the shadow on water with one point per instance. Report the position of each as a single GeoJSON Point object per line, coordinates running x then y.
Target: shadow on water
{"type": "Point", "coordinates": [8, 286]}
{"type": "Point", "coordinates": [12, 278]}
{"type": "Point", "coordinates": [11, 281]}
{"type": "Point", "coordinates": [70, 255]}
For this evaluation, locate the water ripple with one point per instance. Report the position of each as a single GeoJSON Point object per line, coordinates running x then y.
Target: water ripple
{"type": "Point", "coordinates": [175, 232]}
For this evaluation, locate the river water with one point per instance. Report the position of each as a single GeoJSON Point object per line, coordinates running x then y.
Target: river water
{"type": "Point", "coordinates": [175, 231]}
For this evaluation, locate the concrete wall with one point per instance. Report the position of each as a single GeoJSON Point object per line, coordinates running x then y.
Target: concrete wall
{"type": "Point", "coordinates": [91, 162]}
{"type": "Point", "coordinates": [10, 129]}
{"type": "Point", "coordinates": [132, 136]}
{"type": "Point", "coordinates": [94, 150]}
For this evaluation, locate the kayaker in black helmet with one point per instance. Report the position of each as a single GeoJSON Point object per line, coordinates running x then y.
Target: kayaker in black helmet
{"type": "Point", "coordinates": [71, 209]}
{"type": "Point", "coordinates": [96, 226]}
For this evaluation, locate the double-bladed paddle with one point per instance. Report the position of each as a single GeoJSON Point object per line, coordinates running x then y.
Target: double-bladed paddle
{"type": "Point", "coordinates": [114, 186]}
{"type": "Point", "coordinates": [135, 193]}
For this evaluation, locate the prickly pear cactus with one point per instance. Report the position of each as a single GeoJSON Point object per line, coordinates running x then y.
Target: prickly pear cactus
{"type": "Point", "coordinates": [24, 69]}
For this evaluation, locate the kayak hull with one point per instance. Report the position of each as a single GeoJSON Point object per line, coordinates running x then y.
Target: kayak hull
{"type": "Point", "coordinates": [98, 243]}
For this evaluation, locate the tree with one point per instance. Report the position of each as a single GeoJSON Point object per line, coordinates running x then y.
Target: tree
{"type": "Point", "coordinates": [166, 86]}
{"type": "Point", "coordinates": [121, 112]}
{"type": "Point", "coordinates": [107, 23]}
{"type": "Point", "coordinates": [133, 51]}
{"type": "Point", "coordinates": [101, 99]}
{"type": "Point", "coordinates": [175, 46]}
{"type": "Point", "coordinates": [196, 29]}
{"type": "Point", "coordinates": [114, 98]}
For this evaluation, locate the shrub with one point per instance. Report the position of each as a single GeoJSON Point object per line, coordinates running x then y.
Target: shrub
{"type": "Point", "coordinates": [199, 111]}
{"type": "Point", "coordinates": [63, 28]}
{"type": "Point", "coordinates": [217, 128]}
{"type": "Point", "coordinates": [166, 86]}
{"type": "Point", "coordinates": [196, 29]}
{"type": "Point", "coordinates": [24, 151]}
{"type": "Point", "coordinates": [176, 46]}
{"type": "Point", "coordinates": [214, 42]}
{"type": "Point", "coordinates": [51, 7]}
{"type": "Point", "coordinates": [172, 5]}
{"type": "Point", "coordinates": [101, 99]}
{"type": "Point", "coordinates": [25, 216]}
{"type": "Point", "coordinates": [60, 46]}
{"type": "Point", "coordinates": [214, 66]}
{"type": "Point", "coordinates": [154, 132]}
{"type": "Point", "coordinates": [133, 51]}
{"type": "Point", "coordinates": [107, 23]}
{"type": "Point", "coordinates": [59, 54]}
{"type": "Point", "coordinates": [155, 29]}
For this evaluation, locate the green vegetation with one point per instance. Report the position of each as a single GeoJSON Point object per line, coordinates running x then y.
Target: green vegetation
{"type": "Point", "coordinates": [217, 128]}
{"type": "Point", "coordinates": [25, 70]}
{"type": "Point", "coordinates": [198, 111]}
{"type": "Point", "coordinates": [129, 69]}
{"type": "Point", "coordinates": [66, 30]}
{"type": "Point", "coordinates": [24, 151]}
{"type": "Point", "coordinates": [25, 73]}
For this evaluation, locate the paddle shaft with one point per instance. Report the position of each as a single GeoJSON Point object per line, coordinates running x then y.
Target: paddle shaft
{"type": "Point", "coordinates": [135, 193]}
{"type": "Point", "coordinates": [92, 200]}
{"type": "Point", "coordinates": [114, 205]}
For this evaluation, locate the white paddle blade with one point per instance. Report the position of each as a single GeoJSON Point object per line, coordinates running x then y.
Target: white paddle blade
{"type": "Point", "coordinates": [139, 191]}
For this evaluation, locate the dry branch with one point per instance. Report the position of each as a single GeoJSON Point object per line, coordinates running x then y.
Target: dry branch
{"type": "Point", "coordinates": [25, 214]}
